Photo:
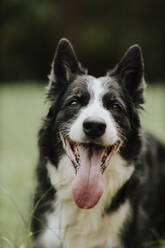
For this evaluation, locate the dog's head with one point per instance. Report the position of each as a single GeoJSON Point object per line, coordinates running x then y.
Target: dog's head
{"type": "Point", "coordinates": [95, 118]}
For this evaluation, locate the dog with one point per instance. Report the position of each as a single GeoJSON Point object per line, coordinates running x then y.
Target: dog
{"type": "Point", "coordinates": [101, 177]}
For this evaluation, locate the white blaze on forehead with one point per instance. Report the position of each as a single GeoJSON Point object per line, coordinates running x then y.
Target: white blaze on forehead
{"type": "Point", "coordinates": [95, 109]}
{"type": "Point", "coordinates": [96, 89]}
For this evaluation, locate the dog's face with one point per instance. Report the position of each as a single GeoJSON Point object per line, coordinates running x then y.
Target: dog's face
{"type": "Point", "coordinates": [95, 117]}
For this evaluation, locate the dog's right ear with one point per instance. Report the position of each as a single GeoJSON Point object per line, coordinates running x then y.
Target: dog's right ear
{"type": "Point", "coordinates": [130, 73]}
{"type": "Point", "coordinates": [65, 64]}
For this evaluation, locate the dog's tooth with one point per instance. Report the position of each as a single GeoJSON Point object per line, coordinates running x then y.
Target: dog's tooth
{"type": "Point", "coordinates": [77, 155]}
{"type": "Point", "coordinates": [104, 158]}
{"type": "Point", "coordinates": [105, 154]}
{"type": "Point", "coordinates": [77, 152]}
{"type": "Point", "coordinates": [102, 168]}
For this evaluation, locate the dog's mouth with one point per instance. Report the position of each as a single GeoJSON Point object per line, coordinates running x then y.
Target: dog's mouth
{"type": "Point", "coordinates": [91, 151]}
{"type": "Point", "coordinates": [90, 161]}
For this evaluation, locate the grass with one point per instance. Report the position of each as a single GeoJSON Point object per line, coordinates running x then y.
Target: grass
{"type": "Point", "coordinates": [153, 116]}
{"type": "Point", "coordinates": [21, 110]}
{"type": "Point", "coordinates": [22, 106]}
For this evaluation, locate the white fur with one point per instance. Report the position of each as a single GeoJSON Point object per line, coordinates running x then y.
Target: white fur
{"type": "Point", "coordinates": [95, 110]}
{"type": "Point", "coordinates": [71, 227]}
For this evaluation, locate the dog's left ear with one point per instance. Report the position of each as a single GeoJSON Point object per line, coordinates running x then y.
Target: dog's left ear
{"type": "Point", "coordinates": [130, 73]}
{"type": "Point", "coordinates": [65, 66]}
{"type": "Point", "coordinates": [65, 63]}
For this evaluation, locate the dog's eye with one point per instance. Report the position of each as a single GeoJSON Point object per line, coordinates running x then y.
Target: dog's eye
{"type": "Point", "coordinates": [74, 104]}
{"type": "Point", "coordinates": [115, 107]}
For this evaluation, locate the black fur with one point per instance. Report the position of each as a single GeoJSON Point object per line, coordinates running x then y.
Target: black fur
{"type": "Point", "coordinates": [145, 188]}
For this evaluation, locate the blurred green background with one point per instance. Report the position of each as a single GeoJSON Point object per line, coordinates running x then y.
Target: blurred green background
{"type": "Point", "coordinates": [101, 31]}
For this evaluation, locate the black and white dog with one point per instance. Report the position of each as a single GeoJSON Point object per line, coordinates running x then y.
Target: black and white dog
{"type": "Point", "coordinates": [101, 178]}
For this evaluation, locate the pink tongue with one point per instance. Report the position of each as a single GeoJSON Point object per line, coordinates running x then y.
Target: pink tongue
{"type": "Point", "coordinates": [87, 187]}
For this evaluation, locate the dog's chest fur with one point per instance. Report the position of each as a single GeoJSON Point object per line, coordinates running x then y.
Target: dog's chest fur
{"type": "Point", "coordinates": [71, 227]}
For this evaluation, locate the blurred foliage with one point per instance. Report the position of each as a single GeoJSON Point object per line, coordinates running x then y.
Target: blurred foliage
{"type": "Point", "coordinates": [101, 31]}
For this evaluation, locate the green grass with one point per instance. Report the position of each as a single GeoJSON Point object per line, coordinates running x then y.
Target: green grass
{"type": "Point", "coordinates": [153, 116]}
{"type": "Point", "coordinates": [21, 107]}
{"type": "Point", "coordinates": [21, 110]}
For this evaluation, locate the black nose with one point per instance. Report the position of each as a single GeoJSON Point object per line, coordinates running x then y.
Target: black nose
{"type": "Point", "coordinates": [94, 128]}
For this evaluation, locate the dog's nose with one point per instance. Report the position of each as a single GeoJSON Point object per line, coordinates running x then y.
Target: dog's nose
{"type": "Point", "coordinates": [94, 128]}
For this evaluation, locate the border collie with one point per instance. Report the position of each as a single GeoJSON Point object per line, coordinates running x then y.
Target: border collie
{"type": "Point", "coordinates": [101, 178]}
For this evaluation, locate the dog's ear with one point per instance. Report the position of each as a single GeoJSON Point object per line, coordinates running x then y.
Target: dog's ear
{"type": "Point", "coordinates": [64, 67]}
{"type": "Point", "coordinates": [65, 63]}
{"type": "Point", "coordinates": [130, 73]}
